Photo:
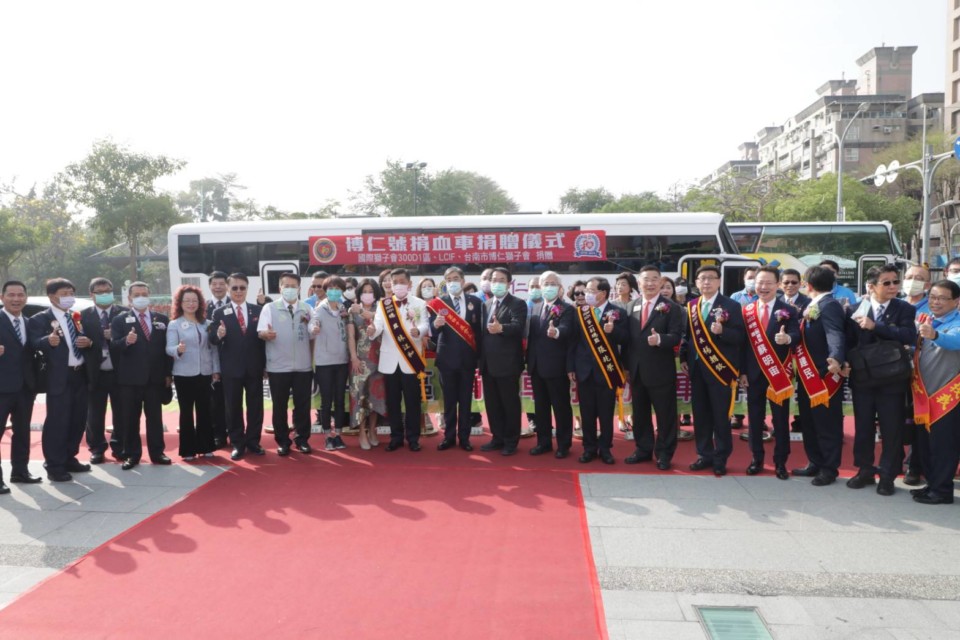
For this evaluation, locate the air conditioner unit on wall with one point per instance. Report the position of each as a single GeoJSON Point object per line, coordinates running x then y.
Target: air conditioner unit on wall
{"type": "Point", "coordinates": [887, 130]}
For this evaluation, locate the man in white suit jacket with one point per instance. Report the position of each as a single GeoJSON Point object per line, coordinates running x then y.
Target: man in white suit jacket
{"type": "Point", "coordinates": [401, 379]}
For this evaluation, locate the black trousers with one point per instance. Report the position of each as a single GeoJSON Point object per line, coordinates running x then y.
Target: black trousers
{"type": "Point", "coordinates": [944, 454]}
{"type": "Point", "coordinates": [283, 385]}
{"type": "Point", "coordinates": [552, 394]}
{"type": "Point", "coordinates": [888, 407]}
{"type": "Point", "coordinates": [64, 425]}
{"type": "Point", "coordinates": [233, 396]}
{"type": "Point", "coordinates": [218, 412]}
{"type": "Point", "coordinates": [332, 380]}
{"type": "Point", "coordinates": [105, 389]}
{"type": "Point", "coordinates": [501, 396]}
{"type": "Point", "coordinates": [822, 431]}
{"type": "Point", "coordinates": [712, 402]}
{"type": "Point", "coordinates": [663, 400]}
{"type": "Point", "coordinates": [18, 409]}
{"type": "Point", "coordinates": [403, 388]}
{"type": "Point", "coordinates": [597, 402]}
{"type": "Point", "coordinates": [757, 415]}
{"type": "Point", "coordinates": [196, 423]}
{"type": "Point", "coordinates": [137, 400]}
{"type": "Point", "coordinates": [457, 385]}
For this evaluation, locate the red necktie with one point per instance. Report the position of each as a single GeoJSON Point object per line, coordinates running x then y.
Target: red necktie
{"type": "Point", "coordinates": [241, 321]}
{"type": "Point", "coordinates": [763, 317]}
{"type": "Point", "coordinates": [646, 313]}
{"type": "Point", "coordinates": [144, 326]}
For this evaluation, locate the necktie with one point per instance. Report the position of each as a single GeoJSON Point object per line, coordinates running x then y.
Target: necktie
{"type": "Point", "coordinates": [496, 307]}
{"type": "Point", "coordinates": [704, 311]}
{"type": "Point", "coordinates": [219, 303]}
{"type": "Point", "coordinates": [880, 310]}
{"type": "Point", "coordinates": [144, 326]}
{"type": "Point", "coordinates": [646, 313]}
{"type": "Point", "coordinates": [241, 321]}
{"type": "Point", "coordinates": [16, 328]}
{"type": "Point", "coordinates": [290, 309]}
{"type": "Point", "coordinates": [456, 304]}
{"type": "Point", "coordinates": [763, 316]}
{"type": "Point", "coordinates": [72, 330]}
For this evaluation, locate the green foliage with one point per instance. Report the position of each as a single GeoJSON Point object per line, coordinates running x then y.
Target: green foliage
{"type": "Point", "coordinates": [643, 202]}
{"type": "Point", "coordinates": [17, 236]}
{"type": "Point", "coordinates": [585, 201]}
{"type": "Point", "coordinates": [209, 199]}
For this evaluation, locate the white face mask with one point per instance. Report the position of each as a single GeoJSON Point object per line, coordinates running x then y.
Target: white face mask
{"type": "Point", "coordinates": [140, 303]}
{"type": "Point", "coordinates": [350, 294]}
{"type": "Point", "coordinates": [400, 290]}
{"type": "Point", "coordinates": [590, 298]}
{"type": "Point", "coordinates": [681, 290]}
{"type": "Point", "coordinates": [485, 286]}
{"type": "Point", "coordinates": [427, 292]}
{"type": "Point", "coordinates": [454, 288]}
{"type": "Point", "coordinates": [750, 284]}
{"type": "Point", "coordinates": [67, 302]}
{"type": "Point", "coordinates": [913, 287]}
{"type": "Point", "coordinates": [289, 294]}
{"type": "Point", "coordinates": [366, 298]}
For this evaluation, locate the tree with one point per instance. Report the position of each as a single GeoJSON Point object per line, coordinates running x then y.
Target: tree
{"type": "Point", "coordinates": [643, 202]}
{"type": "Point", "coordinates": [209, 199]}
{"type": "Point", "coordinates": [118, 184]}
{"type": "Point", "coordinates": [17, 236]}
{"type": "Point", "coordinates": [585, 201]}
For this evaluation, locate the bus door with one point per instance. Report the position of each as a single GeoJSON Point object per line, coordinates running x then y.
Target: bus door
{"type": "Point", "coordinates": [864, 263]}
{"type": "Point", "coordinates": [270, 273]}
{"type": "Point", "coordinates": [731, 270]}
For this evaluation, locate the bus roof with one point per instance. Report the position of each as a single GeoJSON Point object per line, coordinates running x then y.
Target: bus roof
{"type": "Point", "coordinates": [804, 223]}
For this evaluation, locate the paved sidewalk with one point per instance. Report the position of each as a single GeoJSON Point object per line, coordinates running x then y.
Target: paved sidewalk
{"type": "Point", "coordinates": [816, 562]}
{"type": "Point", "coordinates": [46, 526]}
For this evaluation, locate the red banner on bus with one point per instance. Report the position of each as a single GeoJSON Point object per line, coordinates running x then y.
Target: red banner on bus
{"type": "Point", "coordinates": [458, 248]}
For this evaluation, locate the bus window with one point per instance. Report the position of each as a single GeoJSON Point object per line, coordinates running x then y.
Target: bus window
{"type": "Point", "coordinates": [746, 238]}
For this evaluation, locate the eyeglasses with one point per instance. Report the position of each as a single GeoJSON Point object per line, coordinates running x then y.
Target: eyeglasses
{"type": "Point", "coordinates": [577, 294]}
{"type": "Point", "coordinates": [791, 282]}
{"type": "Point", "coordinates": [238, 288]}
{"type": "Point", "coordinates": [939, 298]}
{"type": "Point", "coordinates": [887, 283]}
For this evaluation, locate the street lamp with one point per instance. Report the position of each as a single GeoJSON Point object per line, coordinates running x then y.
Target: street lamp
{"type": "Point", "coordinates": [863, 107]}
{"type": "Point", "coordinates": [415, 167]}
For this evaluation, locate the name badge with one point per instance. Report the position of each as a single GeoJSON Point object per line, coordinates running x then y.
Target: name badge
{"type": "Point", "coordinates": [130, 320]}
{"type": "Point", "coordinates": [228, 311]}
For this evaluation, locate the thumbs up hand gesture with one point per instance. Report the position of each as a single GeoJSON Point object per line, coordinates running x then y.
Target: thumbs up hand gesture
{"type": "Point", "coordinates": [260, 297]}
{"type": "Point", "coordinates": [439, 321]}
{"type": "Point", "coordinates": [608, 327]}
{"type": "Point", "coordinates": [494, 325]}
{"type": "Point", "coordinates": [132, 336]}
{"type": "Point", "coordinates": [221, 331]}
{"type": "Point", "coordinates": [926, 330]}
{"type": "Point", "coordinates": [269, 334]}
{"type": "Point", "coordinates": [54, 338]}
{"type": "Point", "coordinates": [654, 338]}
{"type": "Point", "coordinates": [552, 331]}
{"type": "Point", "coordinates": [782, 337]}
{"type": "Point", "coordinates": [371, 330]}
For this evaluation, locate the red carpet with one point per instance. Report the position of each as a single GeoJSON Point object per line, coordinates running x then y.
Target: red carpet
{"type": "Point", "coordinates": [319, 546]}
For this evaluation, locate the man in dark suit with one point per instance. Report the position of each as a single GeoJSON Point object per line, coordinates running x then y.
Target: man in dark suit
{"type": "Point", "coordinates": [456, 358]}
{"type": "Point", "coordinates": [880, 316]}
{"type": "Point", "coordinates": [765, 372]}
{"type": "Point", "coordinates": [501, 362]}
{"type": "Point", "coordinates": [656, 328]}
{"type": "Point", "coordinates": [790, 285]}
{"type": "Point", "coordinates": [16, 381]}
{"type": "Point", "coordinates": [101, 375]}
{"type": "Point", "coordinates": [138, 341]}
{"type": "Point", "coordinates": [822, 338]}
{"type": "Point", "coordinates": [711, 355]}
{"type": "Point", "coordinates": [58, 334]}
{"type": "Point", "coordinates": [219, 299]}
{"type": "Point", "coordinates": [552, 330]}
{"type": "Point", "coordinates": [242, 361]}
{"type": "Point", "coordinates": [596, 389]}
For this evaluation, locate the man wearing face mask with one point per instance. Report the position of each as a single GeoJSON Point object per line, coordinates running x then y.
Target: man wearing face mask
{"type": "Point", "coordinates": [952, 272]}
{"type": "Point", "coordinates": [138, 340]}
{"type": "Point", "coordinates": [100, 372]}
{"type": "Point", "coordinates": [457, 347]}
{"type": "Point", "coordinates": [534, 298]}
{"type": "Point", "coordinates": [501, 362]}
{"type": "Point", "coordinates": [284, 326]}
{"type": "Point", "coordinates": [57, 332]}
{"type": "Point", "coordinates": [219, 298]}
{"type": "Point", "coordinates": [916, 283]}
{"type": "Point", "coordinates": [484, 292]}
{"type": "Point", "coordinates": [749, 292]}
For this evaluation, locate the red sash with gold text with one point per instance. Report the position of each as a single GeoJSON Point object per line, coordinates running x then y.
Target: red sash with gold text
{"type": "Point", "coordinates": [818, 389]}
{"type": "Point", "coordinates": [944, 400]}
{"type": "Point", "coordinates": [777, 372]}
{"type": "Point", "coordinates": [709, 354]}
{"type": "Point", "coordinates": [460, 326]}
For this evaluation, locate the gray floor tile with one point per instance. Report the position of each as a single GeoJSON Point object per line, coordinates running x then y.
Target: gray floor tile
{"type": "Point", "coordinates": [647, 629]}
{"type": "Point", "coordinates": [115, 499]}
{"type": "Point", "coordinates": [91, 529]}
{"type": "Point", "coordinates": [641, 605]}
{"type": "Point", "coordinates": [23, 527]}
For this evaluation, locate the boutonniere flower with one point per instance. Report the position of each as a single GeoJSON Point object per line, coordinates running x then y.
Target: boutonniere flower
{"type": "Point", "coordinates": [55, 325]}
{"type": "Point", "coordinates": [159, 325]}
{"type": "Point", "coordinates": [76, 321]}
{"type": "Point", "coordinates": [663, 307]}
{"type": "Point", "coordinates": [720, 315]}
{"type": "Point", "coordinates": [611, 316]}
{"type": "Point", "coordinates": [555, 312]}
{"type": "Point", "coordinates": [812, 312]}
{"type": "Point", "coordinates": [782, 315]}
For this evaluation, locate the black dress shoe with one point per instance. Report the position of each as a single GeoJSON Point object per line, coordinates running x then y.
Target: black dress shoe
{"type": "Point", "coordinates": [236, 454]}
{"type": "Point", "coordinates": [466, 446]}
{"type": "Point", "coordinates": [508, 451]}
{"type": "Point", "coordinates": [756, 466]}
{"type": "Point", "coordinates": [912, 479]}
{"type": "Point", "coordinates": [782, 472]}
{"type": "Point", "coordinates": [218, 443]}
{"type": "Point", "coordinates": [607, 458]}
{"type": "Point", "coordinates": [700, 464]}
{"type": "Point", "coordinates": [59, 476]}
{"type": "Point", "coordinates": [393, 446]}
{"type": "Point", "coordinates": [3, 488]}
{"type": "Point", "coordinates": [561, 454]}
{"type": "Point", "coordinates": [663, 464]}
{"type": "Point", "coordinates": [929, 498]}
{"type": "Point", "coordinates": [860, 480]}
{"type": "Point", "coordinates": [129, 463]}
{"type": "Point", "coordinates": [920, 491]}
{"type": "Point", "coordinates": [256, 449]}
{"type": "Point", "coordinates": [24, 478]}
{"type": "Point", "coordinates": [540, 450]}
{"type": "Point", "coordinates": [283, 450]}
{"type": "Point", "coordinates": [75, 466]}
{"type": "Point", "coordinates": [414, 446]}
{"type": "Point", "coordinates": [808, 471]}
{"type": "Point", "coordinates": [885, 487]}
{"type": "Point", "coordinates": [822, 480]}
{"type": "Point", "coordinates": [491, 446]}
{"type": "Point", "coordinates": [446, 444]}
{"type": "Point", "coordinates": [586, 456]}
{"type": "Point", "coordinates": [719, 470]}
{"type": "Point", "coordinates": [162, 460]}
{"type": "Point", "coordinates": [96, 458]}
{"type": "Point", "coordinates": [302, 447]}
{"type": "Point", "coordinates": [636, 457]}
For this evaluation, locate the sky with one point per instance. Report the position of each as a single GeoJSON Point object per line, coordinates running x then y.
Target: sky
{"type": "Point", "coordinates": [304, 100]}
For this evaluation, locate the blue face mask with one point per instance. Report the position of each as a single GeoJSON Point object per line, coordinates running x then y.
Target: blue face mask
{"type": "Point", "coordinates": [289, 294]}
{"type": "Point", "coordinates": [454, 288]}
{"type": "Point", "coordinates": [551, 291]}
{"type": "Point", "coordinates": [954, 277]}
{"type": "Point", "coordinates": [536, 295]}
{"type": "Point", "coordinates": [334, 295]}
{"type": "Point", "coordinates": [498, 289]}
{"type": "Point", "coordinates": [103, 299]}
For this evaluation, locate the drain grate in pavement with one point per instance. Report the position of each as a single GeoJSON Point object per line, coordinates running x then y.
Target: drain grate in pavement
{"type": "Point", "coordinates": [733, 623]}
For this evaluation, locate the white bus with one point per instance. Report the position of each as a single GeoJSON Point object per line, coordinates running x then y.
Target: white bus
{"type": "Point", "coordinates": [574, 245]}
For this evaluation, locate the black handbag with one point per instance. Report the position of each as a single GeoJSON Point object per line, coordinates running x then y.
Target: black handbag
{"type": "Point", "coordinates": [879, 363]}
